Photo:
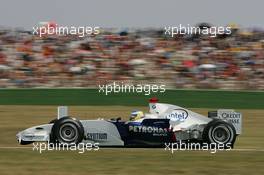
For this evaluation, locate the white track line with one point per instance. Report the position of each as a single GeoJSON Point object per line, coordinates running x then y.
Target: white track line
{"type": "Point", "coordinates": [239, 149]}
{"type": "Point", "coordinates": [248, 149]}
{"type": "Point", "coordinates": [14, 147]}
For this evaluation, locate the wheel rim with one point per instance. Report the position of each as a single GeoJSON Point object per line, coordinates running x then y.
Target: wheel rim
{"type": "Point", "coordinates": [68, 132]}
{"type": "Point", "coordinates": [221, 134]}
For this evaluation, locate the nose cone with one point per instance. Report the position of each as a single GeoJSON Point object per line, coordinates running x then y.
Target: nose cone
{"type": "Point", "coordinates": [18, 137]}
{"type": "Point", "coordinates": [20, 140]}
{"type": "Point", "coordinates": [38, 133]}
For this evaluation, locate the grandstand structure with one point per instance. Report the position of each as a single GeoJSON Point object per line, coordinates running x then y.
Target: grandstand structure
{"type": "Point", "coordinates": [144, 56]}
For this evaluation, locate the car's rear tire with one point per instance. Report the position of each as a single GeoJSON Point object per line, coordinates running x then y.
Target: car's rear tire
{"type": "Point", "coordinates": [67, 130]}
{"type": "Point", "coordinates": [220, 132]}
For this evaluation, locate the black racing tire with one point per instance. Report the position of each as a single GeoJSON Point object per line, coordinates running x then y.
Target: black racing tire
{"type": "Point", "coordinates": [67, 130]}
{"type": "Point", "coordinates": [220, 132]}
{"type": "Point", "coordinates": [53, 121]}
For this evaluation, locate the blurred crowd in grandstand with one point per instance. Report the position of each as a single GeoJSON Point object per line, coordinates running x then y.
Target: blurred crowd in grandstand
{"type": "Point", "coordinates": [145, 56]}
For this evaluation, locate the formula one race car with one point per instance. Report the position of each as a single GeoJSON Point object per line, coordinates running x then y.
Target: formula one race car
{"type": "Point", "coordinates": [164, 123]}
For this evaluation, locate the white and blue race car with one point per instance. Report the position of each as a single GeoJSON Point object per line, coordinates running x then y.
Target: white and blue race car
{"type": "Point", "coordinates": [164, 123]}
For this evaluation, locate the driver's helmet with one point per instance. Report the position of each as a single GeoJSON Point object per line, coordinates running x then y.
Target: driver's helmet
{"type": "Point", "coordinates": [135, 115]}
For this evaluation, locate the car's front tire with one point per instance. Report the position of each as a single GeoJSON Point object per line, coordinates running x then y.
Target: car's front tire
{"type": "Point", "coordinates": [220, 132]}
{"type": "Point", "coordinates": [67, 130]}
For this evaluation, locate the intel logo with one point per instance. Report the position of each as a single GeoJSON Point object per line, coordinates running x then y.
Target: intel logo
{"type": "Point", "coordinates": [178, 115]}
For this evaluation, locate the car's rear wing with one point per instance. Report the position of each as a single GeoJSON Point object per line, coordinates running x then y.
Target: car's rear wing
{"type": "Point", "coordinates": [230, 116]}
